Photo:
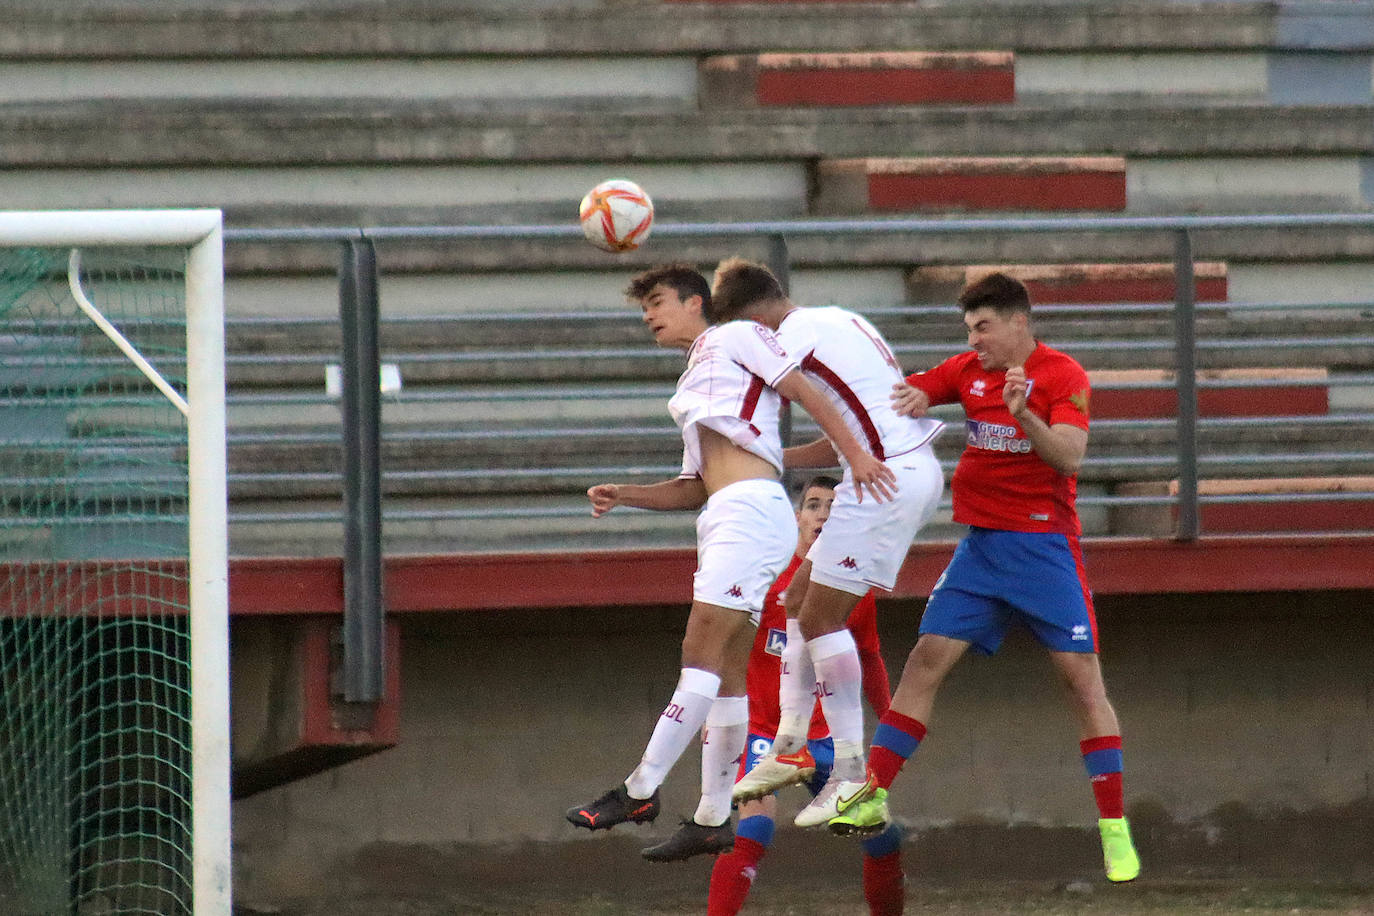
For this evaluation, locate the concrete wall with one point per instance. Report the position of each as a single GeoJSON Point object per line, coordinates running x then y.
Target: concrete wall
{"type": "Point", "coordinates": [1257, 703]}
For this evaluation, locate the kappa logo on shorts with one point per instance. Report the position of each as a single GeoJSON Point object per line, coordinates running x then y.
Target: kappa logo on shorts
{"type": "Point", "coordinates": [848, 563]}
{"type": "Point", "coordinates": [735, 591]}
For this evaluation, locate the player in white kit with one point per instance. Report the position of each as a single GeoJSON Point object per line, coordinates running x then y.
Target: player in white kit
{"type": "Point", "coordinates": [863, 543]}
{"type": "Point", "coordinates": [727, 405]}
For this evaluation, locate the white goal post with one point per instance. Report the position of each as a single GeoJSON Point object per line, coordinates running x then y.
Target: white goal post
{"type": "Point", "coordinates": [199, 231]}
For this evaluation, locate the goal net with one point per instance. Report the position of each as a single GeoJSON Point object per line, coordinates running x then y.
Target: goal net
{"type": "Point", "coordinates": [114, 729]}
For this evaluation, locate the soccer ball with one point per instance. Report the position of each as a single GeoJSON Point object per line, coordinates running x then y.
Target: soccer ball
{"type": "Point", "coordinates": [616, 215]}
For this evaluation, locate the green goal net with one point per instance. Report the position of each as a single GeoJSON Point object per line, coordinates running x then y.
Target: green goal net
{"type": "Point", "coordinates": [111, 759]}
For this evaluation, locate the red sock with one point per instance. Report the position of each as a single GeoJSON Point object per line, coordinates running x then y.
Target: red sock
{"type": "Point", "coordinates": [1102, 756]}
{"type": "Point", "coordinates": [732, 876]}
{"type": "Point", "coordinates": [1110, 798]}
{"type": "Point", "coordinates": [896, 739]}
{"type": "Point", "coordinates": [884, 884]}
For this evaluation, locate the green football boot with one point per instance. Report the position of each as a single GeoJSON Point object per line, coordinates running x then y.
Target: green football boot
{"type": "Point", "coordinates": [1118, 852]}
{"type": "Point", "coordinates": [863, 811]}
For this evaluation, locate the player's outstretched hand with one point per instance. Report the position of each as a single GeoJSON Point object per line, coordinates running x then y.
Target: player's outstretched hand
{"type": "Point", "coordinates": [604, 497]}
{"type": "Point", "coordinates": [868, 472]}
{"type": "Point", "coordinates": [1015, 389]}
{"type": "Point", "coordinates": [909, 401]}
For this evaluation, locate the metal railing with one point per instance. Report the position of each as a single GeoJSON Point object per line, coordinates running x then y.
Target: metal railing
{"type": "Point", "coordinates": [361, 316]}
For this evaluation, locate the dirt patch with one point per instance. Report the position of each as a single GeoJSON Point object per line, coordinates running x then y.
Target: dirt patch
{"type": "Point", "coordinates": [1232, 862]}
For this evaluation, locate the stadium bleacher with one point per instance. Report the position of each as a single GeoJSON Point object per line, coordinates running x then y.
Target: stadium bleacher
{"type": "Point", "coordinates": [525, 378]}
{"type": "Point", "coordinates": [334, 114]}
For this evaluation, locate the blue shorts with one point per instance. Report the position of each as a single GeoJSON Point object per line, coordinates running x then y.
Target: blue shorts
{"type": "Point", "coordinates": [823, 749]}
{"type": "Point", "coordinates": [997, 576]}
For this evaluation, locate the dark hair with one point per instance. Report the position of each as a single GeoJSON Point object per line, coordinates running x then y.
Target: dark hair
{"type": "Point", "coordinates": [997, 291]}
{"type": "Point", "coordinates": [820, 480]}
{"type": "Point", "coordinates": [679, 276]}
{"type": "Point", "coordinates": [738, 285]}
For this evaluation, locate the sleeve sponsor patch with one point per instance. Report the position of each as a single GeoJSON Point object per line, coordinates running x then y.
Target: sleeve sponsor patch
{"type": "Point", "coordinates": [770, 340]}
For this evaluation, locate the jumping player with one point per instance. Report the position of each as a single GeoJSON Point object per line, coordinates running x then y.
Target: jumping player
{"type": "Point", "coordinates": [1015, 485]}
{"type": "Point", "coordinates": [863, 544]}
{"type": "Point", "coordinates": [733, 874]}
{"type": "Point", "coordinates": [727, 405]}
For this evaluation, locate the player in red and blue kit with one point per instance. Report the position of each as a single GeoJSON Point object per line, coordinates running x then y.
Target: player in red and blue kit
{"type": "Point", "coordinates": [1027, 420]}
{"type": "Point", "coordinates": [734, 872]}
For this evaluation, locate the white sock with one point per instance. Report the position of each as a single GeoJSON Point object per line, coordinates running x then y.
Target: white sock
{"type": "Point", "coordinates": [677, 726]}
{"type": "Point", "coordinates": [796, 692]}
{"type": "Point", "coordinates": [839, 681]}
{"type": "Point", "coordinates": [722, 742]}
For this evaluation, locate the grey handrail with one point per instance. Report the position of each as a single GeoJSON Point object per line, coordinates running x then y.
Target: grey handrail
{"type": "Point", "coordinates": [1183, 228]}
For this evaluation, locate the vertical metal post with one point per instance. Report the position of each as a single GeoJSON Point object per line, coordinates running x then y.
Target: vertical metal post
{"type": "Point", "coordinates": [780, 263]}
{"type": "Point", "coordinates": [1185, 368]}
{"type": "Point", "coordinates": [364, 625]}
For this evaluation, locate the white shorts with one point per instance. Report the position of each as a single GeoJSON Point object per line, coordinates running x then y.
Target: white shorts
{"type": "Point", "coordinates": [863, 544]}
{"type": "Point", "coordinates": [746, 534]}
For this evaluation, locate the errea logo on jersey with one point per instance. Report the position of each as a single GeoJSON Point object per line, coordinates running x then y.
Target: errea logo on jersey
{"type": "Point", "coordinates": [978, 388]}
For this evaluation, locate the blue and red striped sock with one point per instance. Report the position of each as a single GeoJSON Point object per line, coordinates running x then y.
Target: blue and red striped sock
{"type": "Point", "coordinates": [733, 874]}
{"type": "Point", "coordinates": [884, 881]}
{"type": "Point", "coordinates": [1103, 760]}
{"type": "Point", "coordinates": [895, 740]}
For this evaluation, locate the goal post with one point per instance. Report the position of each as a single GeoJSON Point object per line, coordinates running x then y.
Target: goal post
{"type": "Point", "coordinates": [114, 660]}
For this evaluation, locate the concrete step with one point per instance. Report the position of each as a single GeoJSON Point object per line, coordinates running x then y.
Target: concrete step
{"type": "Point", "coordinates": [875, 78]}
{"type": "Point", "coordinates": [617, 334]}
{"type": "Point", "coordinates": [1248, 392]}
{"type": "Point", "coordinates": [1249, 505]}
{"type": "Point", "coordinates": [416, 28]}
{"type": "Point", "coordinates": [493, 524]}
{"type": "Point", "coordinates": [1235, 447]}
{"type": "Point", "coordinates": [1064, 283]}
{"type": "Point", "coordinates": [1102, 184]}
{"type": "Point", "coordinates": [553, 460]}
{"type": "Point", "coordinates": [595, 349]}
{"type": "Point", "coordinates": [259, 135]}
{"type": "Point", "coordinates": [729, 189]}
{"type": "Point", "coordinates": [949, 184]}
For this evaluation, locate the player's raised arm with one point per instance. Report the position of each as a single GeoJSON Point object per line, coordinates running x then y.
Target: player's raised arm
{"type": "Point", "coordinates": [1061, 446]}
{"type": "Point", "coordinates": [867, 471]}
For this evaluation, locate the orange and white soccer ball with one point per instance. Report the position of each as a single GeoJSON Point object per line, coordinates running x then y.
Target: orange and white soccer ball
{"type": "Point", "coordinates": [616, 215]}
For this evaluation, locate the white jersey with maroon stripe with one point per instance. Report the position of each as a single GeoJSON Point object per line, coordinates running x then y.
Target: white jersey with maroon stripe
{"type": "Point", "coordinates": [727, 387]}
{"type": "Point", "coordinates": [848, 359]}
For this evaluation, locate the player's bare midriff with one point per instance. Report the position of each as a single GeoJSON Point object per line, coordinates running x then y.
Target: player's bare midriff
{"type": "Point", "coordinates": [723, 462]}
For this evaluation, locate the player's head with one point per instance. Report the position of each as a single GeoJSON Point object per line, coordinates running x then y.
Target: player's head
{"type": "Point", "coordinates": [675, 299]}
{"type": "Point", "coordinates": [997, 312]}
{"type": "Point", "coordinates": [813, 508]}
{"type": "Point", "coordinates": [743, 289]}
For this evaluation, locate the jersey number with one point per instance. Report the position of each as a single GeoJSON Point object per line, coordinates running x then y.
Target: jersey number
{"type": "Point", "coordinates": [882, 348]}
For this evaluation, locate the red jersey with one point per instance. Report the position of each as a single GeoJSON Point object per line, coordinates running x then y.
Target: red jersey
{"type": "Point", "coordinates": [765, 660]}
{"type": "Point", "coordinates": [1000, 482]}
